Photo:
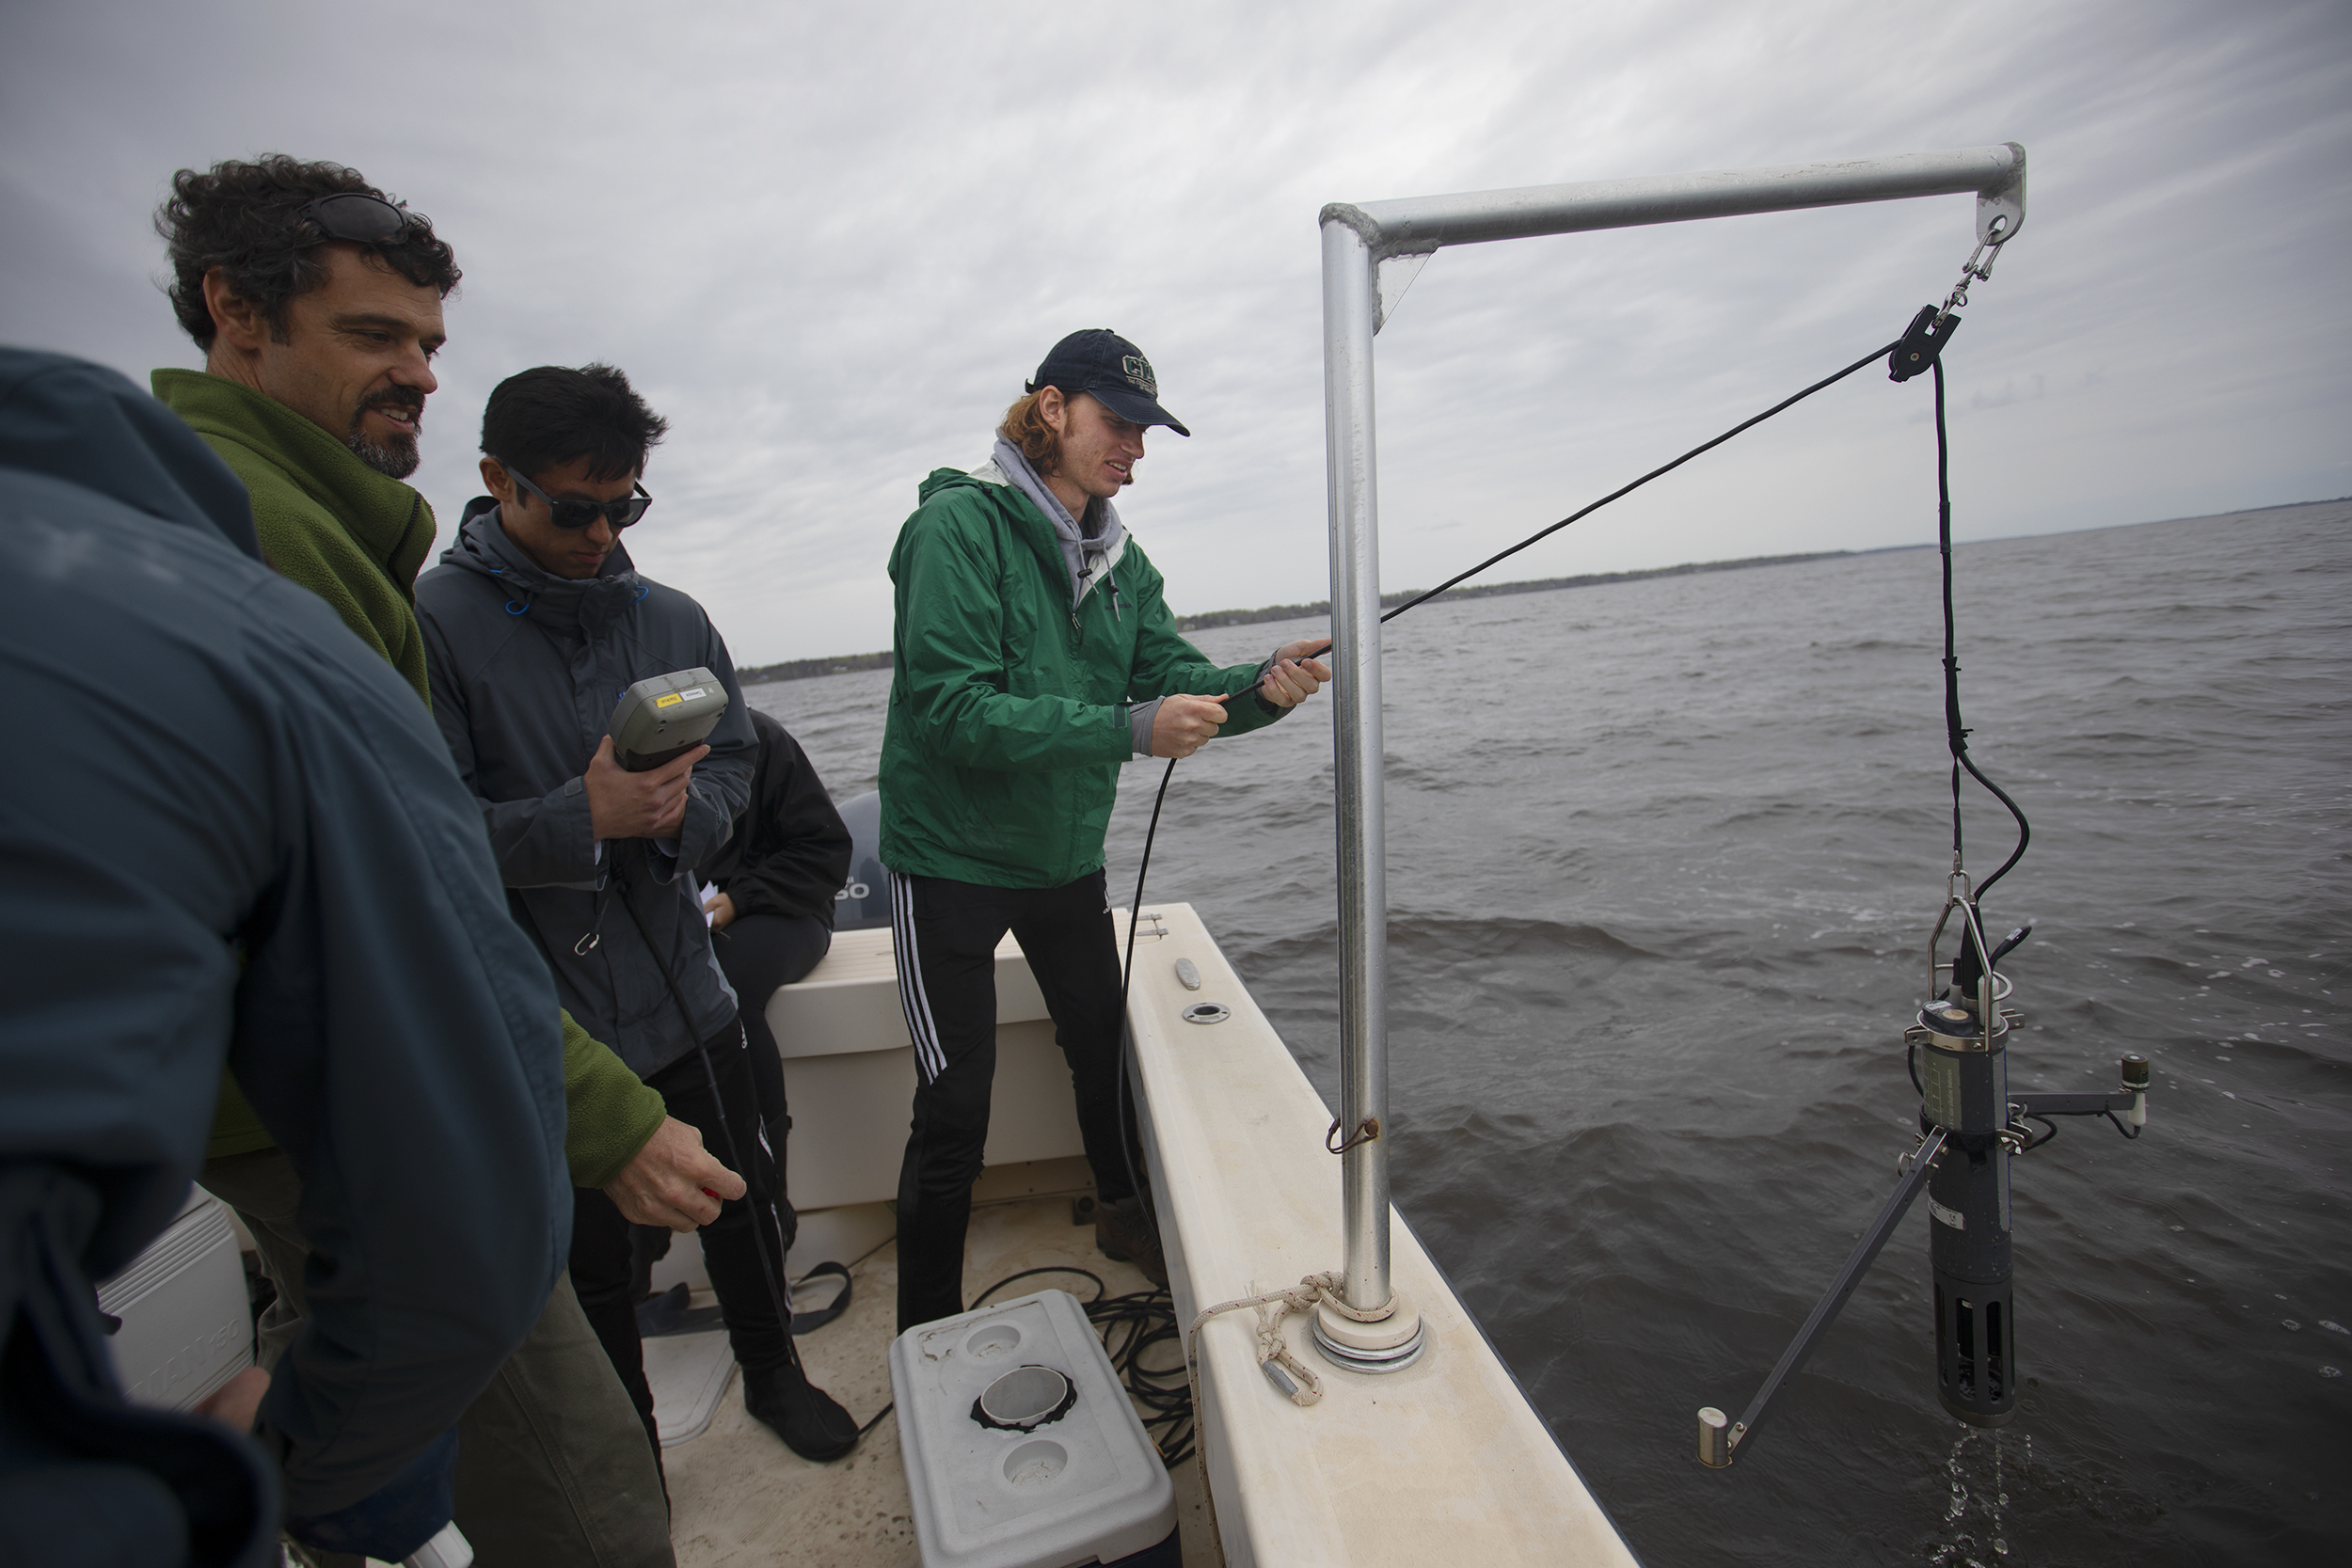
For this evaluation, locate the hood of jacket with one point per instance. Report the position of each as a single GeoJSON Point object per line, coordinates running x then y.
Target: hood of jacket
{"type": "Point", "coordinates": [388, 519]}
{"type": "Point", "coordinates": [589, 604]}
{"type": "Point", "coordinates": [90, 426]}
{"type": "Point", "coordinates": [1089, 557]}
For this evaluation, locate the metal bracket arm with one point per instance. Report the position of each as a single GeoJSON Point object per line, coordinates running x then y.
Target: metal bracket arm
{"type": "Point", "coordinates": [2068, 1104]}
{"type": "Point", "coordinates": [1716, 1443]}
{"type": "Point", "coordinates": [1417, 225]}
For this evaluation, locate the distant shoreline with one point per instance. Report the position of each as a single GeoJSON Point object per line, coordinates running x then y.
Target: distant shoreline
{"type": "Point", "coordinates": [844, 664]}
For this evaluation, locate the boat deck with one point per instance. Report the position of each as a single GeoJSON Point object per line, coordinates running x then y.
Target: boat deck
{"type": "Point", "coordinates": [739, 1497]}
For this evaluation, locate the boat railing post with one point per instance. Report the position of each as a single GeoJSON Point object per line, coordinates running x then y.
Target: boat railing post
{"type": "Point", "coordinates": [1376, 1333]}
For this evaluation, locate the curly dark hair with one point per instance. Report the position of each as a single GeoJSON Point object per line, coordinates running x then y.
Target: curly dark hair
{"type": "Point", "coordinates": [241, 217]}
{"type": "Point", "coordinates": [538, 419]}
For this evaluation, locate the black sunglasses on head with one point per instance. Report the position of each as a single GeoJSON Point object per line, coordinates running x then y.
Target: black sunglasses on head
{"type": "Point", "coordinates": [356, 216]}
{"type": "Point", "coordinates": [580, 514]}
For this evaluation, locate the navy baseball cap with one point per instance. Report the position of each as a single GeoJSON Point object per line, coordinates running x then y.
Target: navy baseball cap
{"type": "Point", "coordinates": [1105, 365]}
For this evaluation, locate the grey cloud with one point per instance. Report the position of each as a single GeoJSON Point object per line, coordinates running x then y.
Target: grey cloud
{"type": "Point", "coordinates": [830, 242]}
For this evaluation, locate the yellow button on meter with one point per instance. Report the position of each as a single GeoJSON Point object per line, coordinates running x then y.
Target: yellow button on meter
{"type": "Point", "coordinates": [663, 716]}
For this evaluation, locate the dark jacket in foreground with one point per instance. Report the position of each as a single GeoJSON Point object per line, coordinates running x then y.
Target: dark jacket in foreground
{"type": "Point", "coordinates": [790, 852]}
{"type": "Point", "coordinates": [526, 668]}
{"type": "Point", "coordinates": [233, 837]}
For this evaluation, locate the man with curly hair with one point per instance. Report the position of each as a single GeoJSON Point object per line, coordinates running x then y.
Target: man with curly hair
{"type": "Point", "coordinates": [317, 302]}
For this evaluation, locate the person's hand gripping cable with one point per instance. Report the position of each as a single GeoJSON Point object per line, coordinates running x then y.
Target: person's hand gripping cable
{"type": "Point", "coordinates": [674, 1181]}
{"type": "Point", "coordinates": [1183, 723]}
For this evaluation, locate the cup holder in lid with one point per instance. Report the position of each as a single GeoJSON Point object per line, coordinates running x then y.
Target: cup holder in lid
{"type": "Point", "coordinates": [1024, 1398]}
{"type": "Point", "coordinates": [998, 1338]}
{"type": "Point", "coordinates": [1035, 1463]}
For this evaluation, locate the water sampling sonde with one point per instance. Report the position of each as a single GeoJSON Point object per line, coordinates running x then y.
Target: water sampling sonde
{"type": "Point", "coordinates": [1970, 1125]}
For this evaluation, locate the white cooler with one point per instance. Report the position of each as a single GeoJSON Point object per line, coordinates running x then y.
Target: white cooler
{"type": "Point", "coordinates": [187, 1326]}
{"type": "Point", "coordinates": [1021, 1449]}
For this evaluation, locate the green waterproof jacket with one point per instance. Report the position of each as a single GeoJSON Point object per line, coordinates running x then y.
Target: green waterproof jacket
{"type": "Point", "coordinates": [1009, 705]}
{"type": "Point", "coordinates": [357, 538]}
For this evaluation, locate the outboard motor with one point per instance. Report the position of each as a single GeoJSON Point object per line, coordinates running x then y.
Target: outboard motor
{"type": "Point", "coordinates": [864, 902]}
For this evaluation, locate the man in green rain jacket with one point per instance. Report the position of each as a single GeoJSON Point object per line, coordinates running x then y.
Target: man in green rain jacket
{"type": "Point", "coordinates": [1034, 655]}
{"type": "Point", "coordinates": [318, 304]}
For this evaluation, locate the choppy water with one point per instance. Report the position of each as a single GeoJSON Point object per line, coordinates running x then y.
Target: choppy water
{"type": "Point", "coordinates": [1663, 859]}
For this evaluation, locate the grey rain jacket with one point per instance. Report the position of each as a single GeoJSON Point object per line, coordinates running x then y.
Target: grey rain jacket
{"type": "Point", "coordinates": [525, 669]}
{"type": "Point", "coordinates": [231, 836]}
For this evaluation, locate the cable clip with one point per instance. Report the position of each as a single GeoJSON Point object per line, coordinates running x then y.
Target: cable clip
{"type": "Point", "coordinates": [1923, 340]}
{"type": "Point", "coordinates": [1364, 1134]}
{"type": "Point", "coordinates": [1977, 267]}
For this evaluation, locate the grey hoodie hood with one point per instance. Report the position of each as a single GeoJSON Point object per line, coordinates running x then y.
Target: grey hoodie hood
{"type": "Point", "coordinates": [1089, 557]}
{"type": "Point", "coordinates": [589, 604]}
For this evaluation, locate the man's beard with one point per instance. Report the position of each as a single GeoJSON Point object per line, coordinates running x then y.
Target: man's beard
{"type": "Point", "coordinates": [396, 458]}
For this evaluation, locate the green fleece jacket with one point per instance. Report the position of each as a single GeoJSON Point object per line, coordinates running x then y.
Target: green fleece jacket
{"type": "Point", "coordinates": [1008, 707]}
{"type": "Point", "coordinates": [357, 539]}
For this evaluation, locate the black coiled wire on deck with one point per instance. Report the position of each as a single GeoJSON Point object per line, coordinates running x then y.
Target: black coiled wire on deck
{"type": "Point", "coordinates": [1131, 1325]}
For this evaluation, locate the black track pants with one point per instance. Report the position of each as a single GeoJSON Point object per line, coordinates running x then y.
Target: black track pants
{"type": "Point", "coordinates": [600, 1237]}
{"type": "Point", "coordinates": [945, 934]}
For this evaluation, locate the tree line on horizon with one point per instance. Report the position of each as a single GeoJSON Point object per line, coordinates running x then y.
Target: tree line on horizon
{"type": "Point", "coordinates": [844, 664]}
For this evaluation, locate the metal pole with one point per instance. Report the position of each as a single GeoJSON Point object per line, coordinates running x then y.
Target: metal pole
{"type": "Point", "coordinates": [1417, 225]}
{"type": "Point", "coordinates": [1356, 751]}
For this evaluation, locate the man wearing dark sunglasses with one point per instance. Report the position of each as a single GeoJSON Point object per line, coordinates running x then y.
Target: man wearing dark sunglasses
{"type": "Point", "coordinates": [535, 622]}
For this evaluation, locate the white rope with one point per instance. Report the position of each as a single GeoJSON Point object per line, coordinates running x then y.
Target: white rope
{"type": "Point", "coordinates": [1272, 1350]}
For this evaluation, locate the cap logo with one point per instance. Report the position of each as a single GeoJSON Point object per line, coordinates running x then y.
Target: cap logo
{"type": "Point", "coordinates": [1139, 369]}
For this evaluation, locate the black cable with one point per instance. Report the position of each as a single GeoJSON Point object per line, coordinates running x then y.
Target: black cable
{"type": "Point", "coordinates": [2105, 1111]}
{"type": "Point", "coordinates": [1871, 358]}
{"type": "Point", "coordinates": [1126, 979]}
{"type": "Point", "coordinates": [1546, 532]}
{"type": "Point", "coordinates": [1100, 1288]}
{"type": "Point", "coordinates": [770, 1269]}
{"type": "Point", "coordinates": [1955, 732]}
{"type": "Point", "coordinates": [1130, 1325]}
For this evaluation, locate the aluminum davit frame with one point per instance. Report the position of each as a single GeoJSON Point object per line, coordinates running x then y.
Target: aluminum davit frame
{"type": "Point", "coordinates": [1371, 253]}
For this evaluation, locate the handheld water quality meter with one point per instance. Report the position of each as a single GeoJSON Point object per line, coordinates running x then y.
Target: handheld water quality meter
{"type": "Point", "coordinates": [663, 716]}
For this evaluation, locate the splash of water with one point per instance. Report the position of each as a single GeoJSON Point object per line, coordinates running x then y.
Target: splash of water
{"type": "Point", "coordinates": [1974, 1523]}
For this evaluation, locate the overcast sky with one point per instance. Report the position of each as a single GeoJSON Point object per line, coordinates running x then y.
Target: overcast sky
{"type": "Point", "coordinates": [831, 242]}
